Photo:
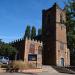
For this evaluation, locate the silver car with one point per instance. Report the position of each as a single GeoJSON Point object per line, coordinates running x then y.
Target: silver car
{"type": "Point", "coordinates": [4, 60]}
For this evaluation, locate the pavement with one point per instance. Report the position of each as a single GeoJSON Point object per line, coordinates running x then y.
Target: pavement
{"type": "Point", "coordinates": [41, 73]}
{"type": "Point", "coordinates": [47, 70]}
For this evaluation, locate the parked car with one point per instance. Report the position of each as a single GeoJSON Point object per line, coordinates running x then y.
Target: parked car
{"type": "Point", "coordinates": [4, 60]}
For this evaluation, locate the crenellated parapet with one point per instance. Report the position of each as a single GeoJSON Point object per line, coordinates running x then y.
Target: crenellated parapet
{"type": "Point", "coordinates": [34, 41]}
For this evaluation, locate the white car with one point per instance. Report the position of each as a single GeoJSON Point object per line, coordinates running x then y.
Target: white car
{"type": "Point", "coordinates": [4, 60]}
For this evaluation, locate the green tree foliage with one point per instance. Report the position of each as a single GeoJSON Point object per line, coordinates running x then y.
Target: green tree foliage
{"type": "Point", "coordinates": [39, 31]}
{"type": "Point", "coordinates": [33, 32]}
{"type": "Point", "coordinates": [27, 32]}
{"type": "Point", "coordinates": [1, 42]}
{"type": "Point", "coordinates": [7, 50]}
{"type": "Point", "coordinates": [70, 23]}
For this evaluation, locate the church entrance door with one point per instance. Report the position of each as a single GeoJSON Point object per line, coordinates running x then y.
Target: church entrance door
{"type": "Point", "coordinates": [62, 61]}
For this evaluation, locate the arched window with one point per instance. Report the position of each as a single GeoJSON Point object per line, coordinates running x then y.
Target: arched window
{"type": "Point", "coordinates": [40, 50]}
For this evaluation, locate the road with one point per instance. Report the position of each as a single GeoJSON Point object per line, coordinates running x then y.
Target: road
{"type": "Point", "coordinates": [43, 73]}
{"type": "Point", "coordinates": [15, 74]}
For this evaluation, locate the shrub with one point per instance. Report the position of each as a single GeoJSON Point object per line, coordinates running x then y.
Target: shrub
{"type": "Point", "coordinates": [20, 65]}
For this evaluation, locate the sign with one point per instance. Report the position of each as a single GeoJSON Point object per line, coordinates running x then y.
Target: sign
{"type": "Point", "coordinates": [32, 57]}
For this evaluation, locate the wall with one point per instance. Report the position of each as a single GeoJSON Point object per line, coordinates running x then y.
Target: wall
{"type": "Point", "coordinates": [61, 39]}
{"type": "Point", "coordinates": [29, 49]}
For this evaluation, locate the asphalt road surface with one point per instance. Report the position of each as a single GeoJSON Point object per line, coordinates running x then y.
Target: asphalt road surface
{"type": "Point", "coordinates": [16, 74]}
{"type": "Point", "coordinates": [43, 73]}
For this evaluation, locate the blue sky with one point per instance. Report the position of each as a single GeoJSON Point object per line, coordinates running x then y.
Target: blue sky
{"type": "Point", "coordinates": [15, 15]}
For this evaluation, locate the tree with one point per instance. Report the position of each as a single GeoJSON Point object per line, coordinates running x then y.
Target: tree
{"type": "Point", "coordinates": [70, 24]}
{"type": "Point", "coordinates": [0, 41]}
{"type": "Point", "coordinates": [27, 32]}
{"type": "Point", "coordinates": [33, 32]}
{"type": "Point", "coordinates": [39, 31]}
{"type": "Point", "coordinates": [7, 50]}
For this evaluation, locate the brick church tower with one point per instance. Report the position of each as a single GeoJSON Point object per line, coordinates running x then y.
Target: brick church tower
{"type": "Point", "coordinates": [55, 51]}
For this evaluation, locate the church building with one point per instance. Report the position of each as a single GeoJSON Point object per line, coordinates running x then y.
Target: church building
{"type": "Point", "coordinates": [53, 48]}
{"type": "Point", "coordinates": [55, 51]}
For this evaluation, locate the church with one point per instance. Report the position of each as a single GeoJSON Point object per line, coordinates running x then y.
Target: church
{"type": "Point", "coordinates": [52, 49]}
{"type": "Point", "coordinates": [55, 51]}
